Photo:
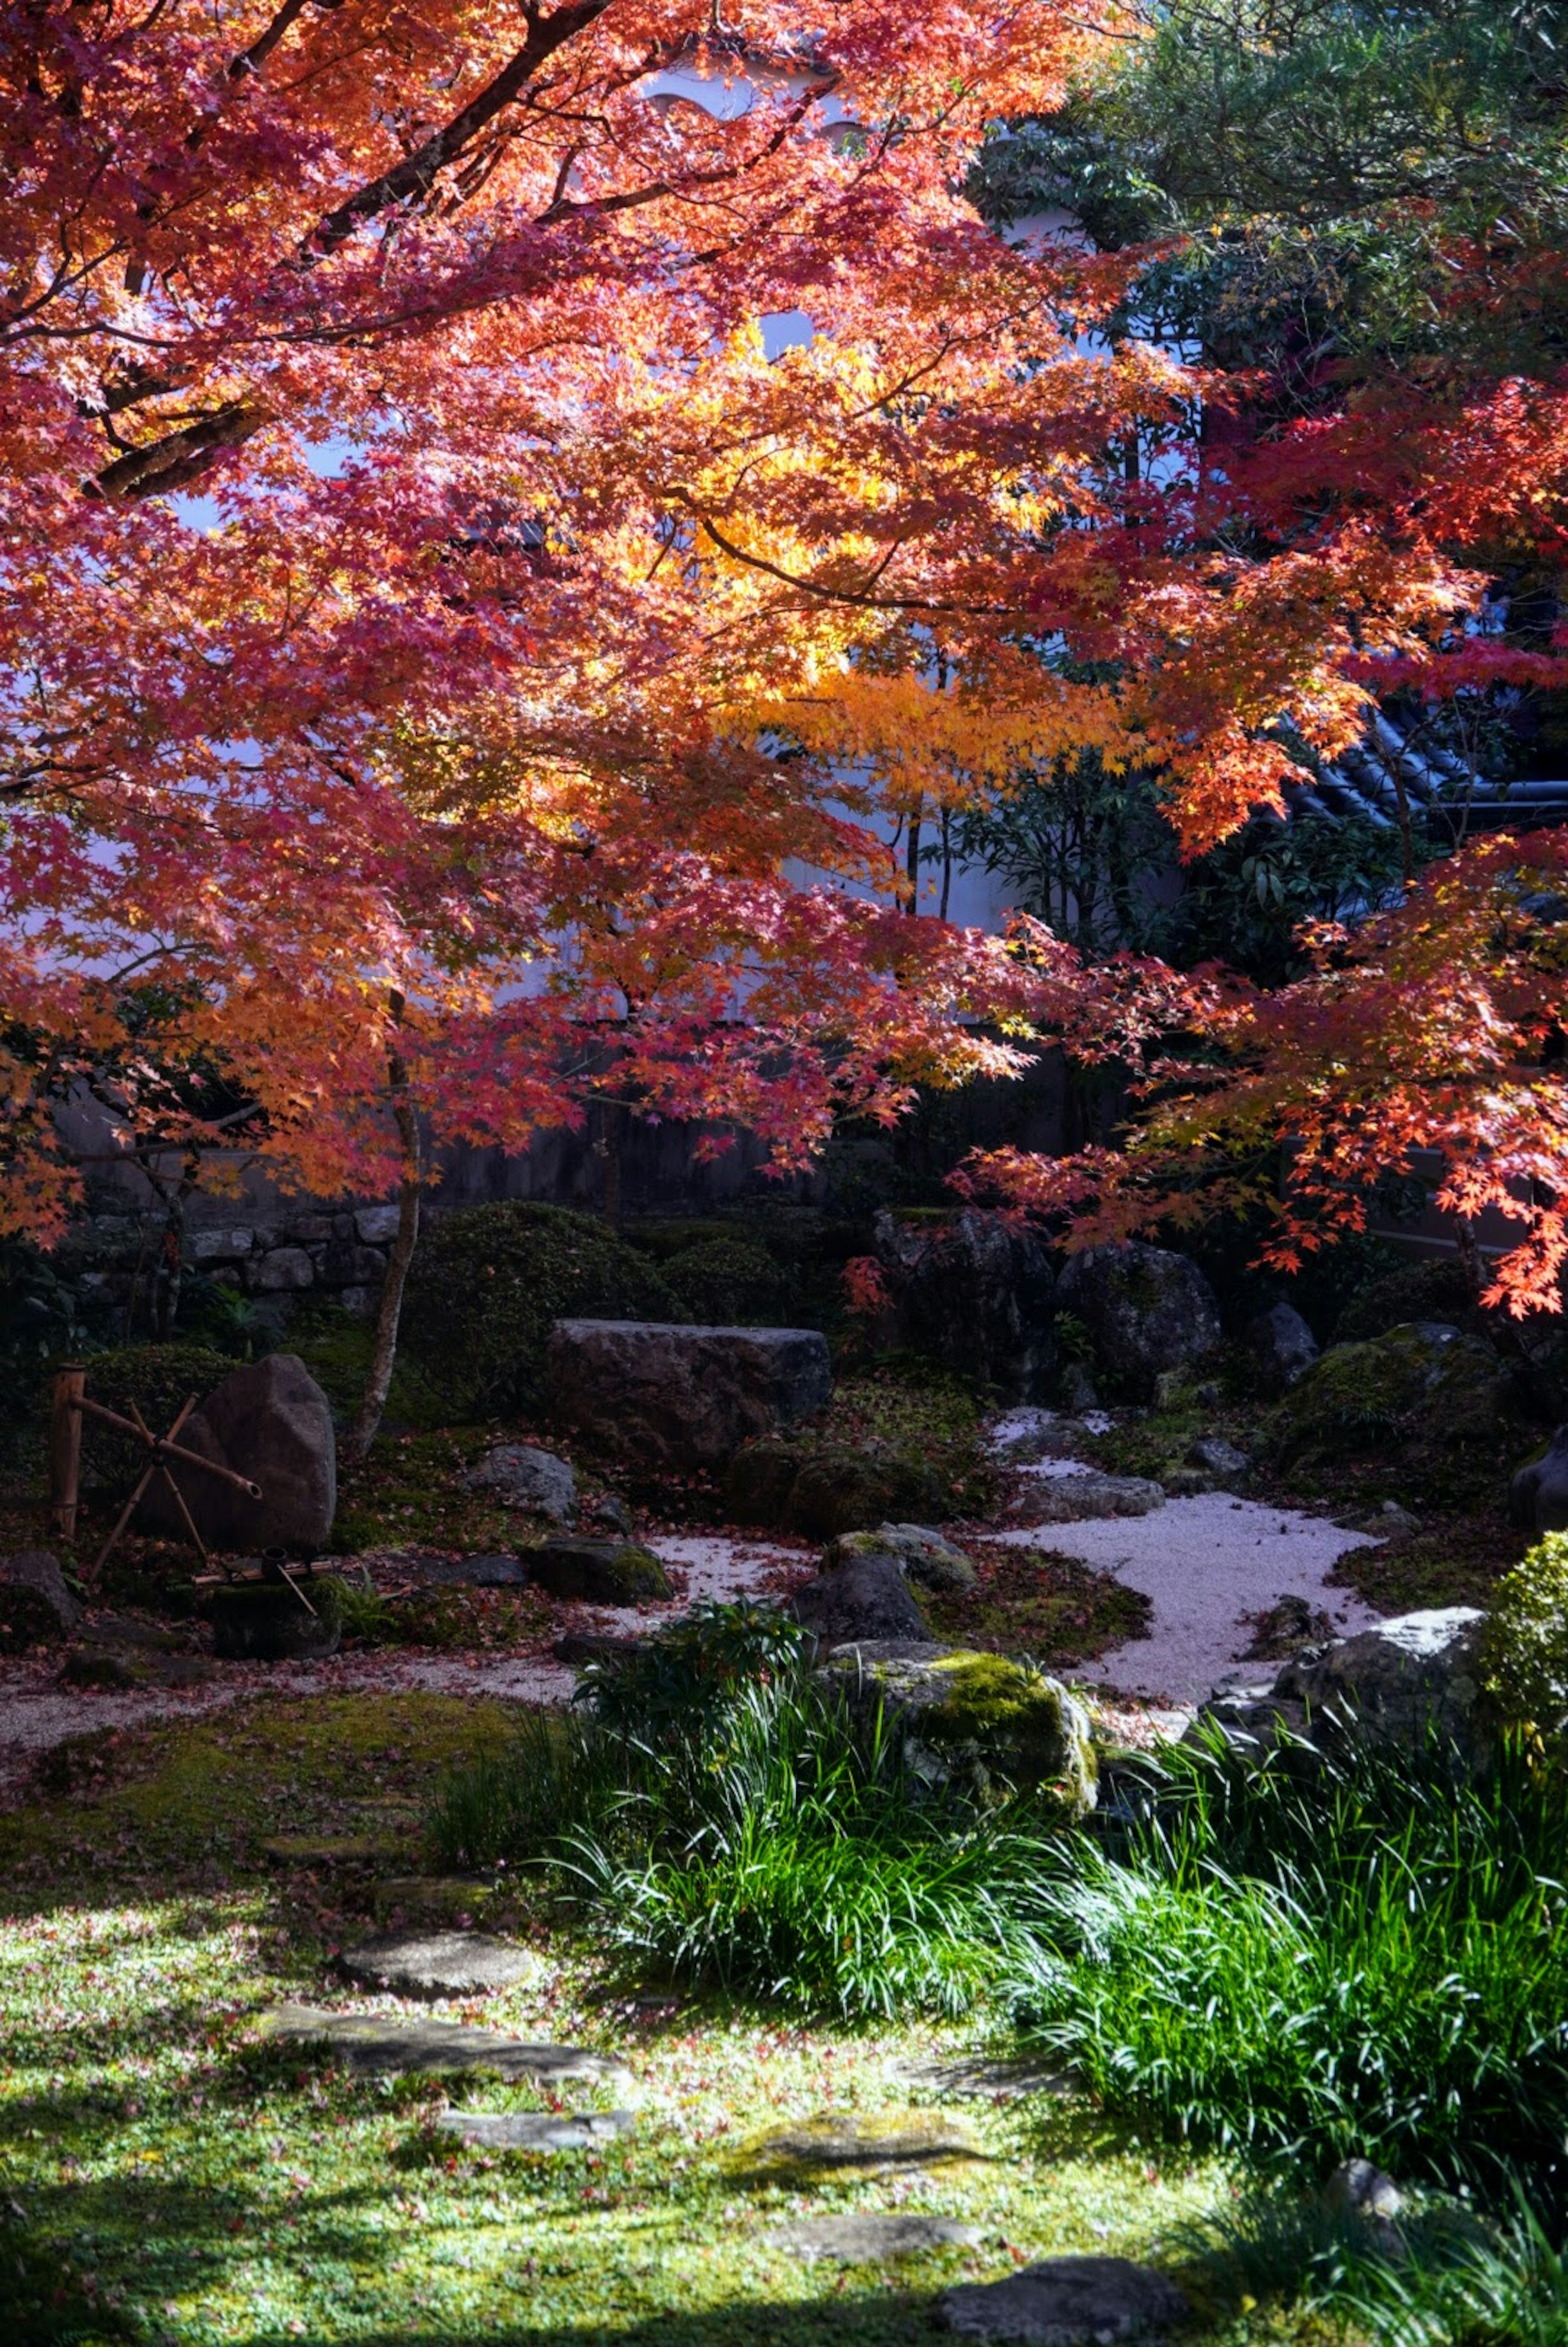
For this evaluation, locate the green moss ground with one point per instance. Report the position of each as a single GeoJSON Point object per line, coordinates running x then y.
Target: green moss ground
{"type": "Point", "coordinates": [167, 2179]}
{"type": "Point", "coordinates": [1036, 1602]}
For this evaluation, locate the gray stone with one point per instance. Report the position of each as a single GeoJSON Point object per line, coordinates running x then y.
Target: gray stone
{"type": "Point", "coordinates": [976, 1292]}
{"type": "Point", "coordinates": [863, 2143]}
{"type": "Point", "coordinates": [206, 1247]}
{"type": "Point", "coordinates": [342, 1263]}
{"type": "Point", "coordinates": [869, 2240]}
{"type": "Point", "coordinates": [925, 1556]}
{"type": "Point", "coordinates": [1288, 1626]}
{"type": "Point", "coordinates": [609, 1514]}
{"type": "Point", "coordinates": [1068, 2302]}
{"type": "Point", "coordinates": [678, 1397]}
{"type": "Point", "coordinates": [281, 1272]}
{"type": "Point", "coordinates": [1087, 1499]}
{"type": "Point", "coordinates": [599, 1572]}
{"type": "Point", "coordinates": [376, 1225]}
{"type": "Point", "coordinates": [523, 1477]}
{"type": "Point", "coordinates": [1359, 2188]}
{"type": "Point", "coordinates": [35, 1602]}
{"type": "Point", "coordinates": [869, 1597]}
{"type": "Point", "coordinates": [1148, 1311]}
{"type": "Point", "coordinates": [535, 2130]}
{"type": "Point", "coordinates": [391, 2044]}
{"type": "Point", "coordinates": [1282, 1347]}
{"type": "Point", "coordinates": [1397, 1685]}
{"type": "Point", "coordinates": [1077, 1388]}
{"type": "Point", "coordinates": [581, 1646]}
{"type": "Point", "coordinates": [438, 1964]}
{"type": "Point", "coordinates": [271, 1622]}
{"type": "Point", "coordinates": [270, 1421]}
{"type": "Point", "coordinates": [1538, 1495]}
{"type": "Point", "coordinates": [1216, 1456]}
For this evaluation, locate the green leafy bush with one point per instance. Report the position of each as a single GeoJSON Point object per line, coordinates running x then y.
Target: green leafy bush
{"type": "Point", "coordinates": [157, 1379]}
{"type": "Point", "coordinates": [716, 1811]}
{"type": "Point", "coordinates": [727, 1282]}
{"type": "Point", "coordinates": [1524, 1648]}
{"type": "Point", "coordinates": [488, 1281]}
{"type": "Point", "coordinates": [1305, 1959]}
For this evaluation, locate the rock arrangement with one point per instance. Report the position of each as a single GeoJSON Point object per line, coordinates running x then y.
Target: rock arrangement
{"type": "Point", "coordinates": [976, 1293]}
{"type": "Point", "coordinates": [1410, 1678]}
{"type": "Point", "coordinates": [270, 1421]}
{"type": "Point", "coordinates": [1538, 1495]}
{"type": "Point", "coordinates": [1150, 1312]}
{"type": "Point", "coordinates": [679, 1397]}
{"type": "Point", "coordinates": [341, 1253]}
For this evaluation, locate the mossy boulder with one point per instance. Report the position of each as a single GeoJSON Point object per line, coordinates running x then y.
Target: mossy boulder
{"type": "Point", "coordinates": [1148, 1311]}
{"type": "Point", "coordinates": [489, 1282]}
{"type": "Point", "coordinates": [1433, 1404]}
{"type": "Point", "coordinates": [598, 1573]}
{"type": "Point", "coordinates": [1438, 1290]}
{"type": "Point", "coordinates": [827, 1488]}
{"type": "Point", "coordinates": [991, 1723]}
{"type": "Point", "coordinates": [888, 1450]}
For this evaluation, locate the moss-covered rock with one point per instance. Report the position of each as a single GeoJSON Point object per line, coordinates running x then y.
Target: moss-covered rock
{"type": "Point", "coordinates": [886, 1451]}
{"type": "Point", "coordinates": [487, 1283]}
{"type": "Point", "coordinates": [1434, 1405]}
{"type": "Point", "coordinates": [598, 1573]}
{"type": "Point", "coordinates": [727, 1283]}
{"type": "Point", "coordinates": [994, 1724]}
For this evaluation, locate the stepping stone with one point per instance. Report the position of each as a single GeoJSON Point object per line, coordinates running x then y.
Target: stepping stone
{"type": "Point", "coordinates": [1085, 1499]}
{"type": "Point", "coordinates": [869, 2240]}
{"type": "Point", "coordinates": [389, 2044]}
{"type": "Point", "coordinates": [1006, 2079]}
{"type": "Point", "coordinates": [329, 1850]}
{"type": "Point", "coordinates": [443, 1896]}
{"type": "Point", "coordinates": [876, 2144]}
{"type": "Point", "coordinates": [1068, 2302]}
{"type": "Point", "coordinates": [535, 2130]}
{"type": "Point", "coordinates": [438, 1964]}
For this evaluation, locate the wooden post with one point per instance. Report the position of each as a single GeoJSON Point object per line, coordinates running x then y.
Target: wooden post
{"type": "Point", "coordinates": [65, 1446]}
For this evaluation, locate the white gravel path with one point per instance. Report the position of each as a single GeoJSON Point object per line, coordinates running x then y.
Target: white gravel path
{"type": "Point", "coordinates": [1204, 1562]}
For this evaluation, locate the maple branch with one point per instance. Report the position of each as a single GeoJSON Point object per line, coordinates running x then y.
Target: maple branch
{"type": "Point", "coordinates": [161, 467]}
{"type": "Point", "coordinates": [830, 594]}
{"type": "Point", "coordinates": [414, 174]}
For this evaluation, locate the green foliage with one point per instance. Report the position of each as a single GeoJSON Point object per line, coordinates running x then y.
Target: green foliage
{"type": "Point", "coordinates": [1524, 1649]}
{"type": "Point", "coordinates": [156, 1380]}
{"type": "Point", "coordinates": [1074, 846]}
{"type": "Point", "coordinates": [1304, 1959]}
{"type": "Point", "coordinates": [1439, 1290]}
{"type": "Point", "coordinates": [727, 1282]}
{"type": "Point", "coordinates": [717, 1811]}
{"type": "Point", "coordinates": [1464, 2282]}
{"type": "Point", "coordinates": [1244, 901]}
{"type": "Point", "coordinates": [488, 1281]}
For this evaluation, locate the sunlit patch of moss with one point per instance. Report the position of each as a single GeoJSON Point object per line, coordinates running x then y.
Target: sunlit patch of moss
{"type": "Point", "coordinates": [1039, 1603]}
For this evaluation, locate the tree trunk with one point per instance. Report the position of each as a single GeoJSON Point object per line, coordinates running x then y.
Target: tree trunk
{"type": "Point", "coordinates": [384, 1352]}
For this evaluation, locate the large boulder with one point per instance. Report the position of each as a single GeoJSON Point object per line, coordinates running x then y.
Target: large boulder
{"type": "Point", "coordinates": [1425, 1400]}
{"type": "Point", "coordinates": [984, 1721]}
{"type": "Point", "coordinates": [272, 1422]}
{"type": "Point", "coordinates": [976, 1292]}
{"type": "Point", "coordinates": [599, 1572]}
{"type": "Point", "coordinates": [1538, 1495]}
{"type": "Point", "coordinates": [1282, 1347]}
{"type": "Point", "coordinates": [667, 1395]}
{"type": "Point", "coordinates": [1416, 1677]}
{"type": "Point", "coordinates": [35, 1603]}
{"type": "Point", "coordinates": [866, 1598]}
{"type": "Point", "coordinates": [1147, 1310]}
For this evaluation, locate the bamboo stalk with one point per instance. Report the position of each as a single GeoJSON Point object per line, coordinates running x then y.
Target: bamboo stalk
{"type": "Point", "coordinates": [166, 1447]}
{"type": "Point", "coordinates": [66, 1447]}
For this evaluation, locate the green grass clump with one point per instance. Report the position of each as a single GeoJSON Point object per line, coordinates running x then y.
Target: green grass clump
{"type": "Point", "coordinates": [717, 1813]}
{"type": "Point", "coordinates": [1304, 1959]}
{"type": "Point", "coordinates": [488, 1281]}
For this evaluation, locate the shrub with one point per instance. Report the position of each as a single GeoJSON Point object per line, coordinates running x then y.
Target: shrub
{"type": "Point", "coordinates": [488, 1281]}
{"type": "Point", "coordinates": [903, 1442]}
{"type": "Point", "coordinates": [157, 1379]}
{"type": "Point", "coordinates": [715, 1810]}
{"type": "Point", "coordinates": [1524, 1647]}
{"type": "Point", "coordinates": [1306, 1959]}
{"type": "Point", "coordinates": [727, 1282]}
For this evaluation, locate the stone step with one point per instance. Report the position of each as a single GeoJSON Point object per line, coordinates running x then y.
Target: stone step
{"type": "Point", "coordinates": [392, 2045]}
